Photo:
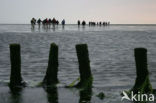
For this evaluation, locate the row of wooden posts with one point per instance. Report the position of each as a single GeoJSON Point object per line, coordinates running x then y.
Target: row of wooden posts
{"type": "Point", "coordinates": [52, 69]}
{"type": "Point", "coordinates": [142, 82]}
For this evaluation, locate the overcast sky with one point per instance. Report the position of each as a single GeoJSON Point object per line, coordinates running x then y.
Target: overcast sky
{"type": "Point", "coordinates": [115, 11]}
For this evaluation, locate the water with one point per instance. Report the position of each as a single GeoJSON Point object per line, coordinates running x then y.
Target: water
{"type": "Point", "coordinates": [111, 51]}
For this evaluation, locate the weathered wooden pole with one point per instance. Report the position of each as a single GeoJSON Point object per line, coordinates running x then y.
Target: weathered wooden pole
{"type": "Point", "coordinates": [15, 59]}
{"type": "Point", "coordinates": [51, 73]}
{"type": "Point", "coordinates": [142, 83]}
{"type": "Point", "coordinates": [84, 65]}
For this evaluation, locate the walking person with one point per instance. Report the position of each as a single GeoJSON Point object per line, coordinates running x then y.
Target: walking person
{"type": "Point", "coordinates": [78, 22]}
{"type": "Point", "coordinates": [83, 23]}
{"type": "Point", "coordinates": [63, 22]}
{"type": "Point", "coordinates": [39, 22]}
{"type": "Point", "coordinates": [33, 22]}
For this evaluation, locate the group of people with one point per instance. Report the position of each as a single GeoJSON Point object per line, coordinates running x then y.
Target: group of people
{"type": "Point", "coordinates": [93, 23]}
{"type": "Point", "coordinates": [79, 23]}
{"type": "Point", "coordinates": [99, 23]}
{"type": "Point", "coordinates": [46, 22]}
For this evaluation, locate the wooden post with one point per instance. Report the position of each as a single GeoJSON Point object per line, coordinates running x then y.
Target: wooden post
{"type": "Point", "coordinates": [142, 83]}
{"type": "Point", "coordinates": [15, 59]}
{"type": "Point", "coordinates": [84, 65]}
{"type": "Point", "coordinates": [51, 73]}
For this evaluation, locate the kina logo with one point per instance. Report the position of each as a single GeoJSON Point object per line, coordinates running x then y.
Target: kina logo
{"type": "Point", "coordinates": [139, 97]}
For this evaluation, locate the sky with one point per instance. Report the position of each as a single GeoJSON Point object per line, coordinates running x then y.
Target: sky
{"type": "Point", "coordinates": [115, 11]}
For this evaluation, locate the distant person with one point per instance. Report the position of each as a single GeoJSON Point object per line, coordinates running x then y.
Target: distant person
{"type": "Point", "coordinates": [33, 22]}
{"type": "Point", "coordinates": [100, 23]}
{"type": "Point", "coordinates": [83, 23]}
{"type": "Point", "coordinates": [57, 22]}
{"type": "Point", "coordinates": [53, 21]}
{"type": "Point", "coordinates": [109, 23]}
{"type": "Point", "coordinates": [39, 22]}
{"type": "Point", "coordinates": [44, 22]}
{"type": "Point", "coordinates": [89, 23]}
{"type": "Point", "coordinates": [63, 22]}
{"type": "Point", "coordinates": [50, 22]}
{"type": "Point", "coordinates": [104, 23]}
{"type": "Point", "coordinates": [47, 22]}
{"type": "Point", "coordinates": [78, 22]}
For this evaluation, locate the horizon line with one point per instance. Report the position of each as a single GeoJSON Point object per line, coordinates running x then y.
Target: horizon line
{"type": "Point", "coordinates": [86, 24]}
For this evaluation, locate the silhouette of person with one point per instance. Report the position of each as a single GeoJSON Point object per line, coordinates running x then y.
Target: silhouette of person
{"type": "Point", "coordinates": [57, 22]}
{"type": "Point", "coordinates": [39, 22]}
{"type": "Point", "coordinates": [33, 22]}
{"type": "Point", "coordinates": [83, 23]}
{"type": "Point", "coordinates": [63, 22]}
{"type": "Point", "coordinates": [50, 22]}
{"type": "Point", "coordinates": [100, 23]}
{"type": "Point", "coordinates": [47, 22]}
{"type": "Point", "coordinates": [78, 22]}
{"type": "Point", "coordinates": [53, 21]}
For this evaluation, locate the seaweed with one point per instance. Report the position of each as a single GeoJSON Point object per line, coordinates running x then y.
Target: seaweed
{"type": "Point", "coordinates": [101, 95]}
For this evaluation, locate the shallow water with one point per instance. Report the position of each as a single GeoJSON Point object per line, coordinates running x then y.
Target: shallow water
{"type": "Point", "coordinates": [111, 54]}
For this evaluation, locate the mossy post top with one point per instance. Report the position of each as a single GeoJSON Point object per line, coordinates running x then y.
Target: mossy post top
{"type": "Point", "coordinates": [14, 46]}
{"type": "Point", "coordinates": [81, 46]}
{"type": "Point", "coordinates": [53, 44]}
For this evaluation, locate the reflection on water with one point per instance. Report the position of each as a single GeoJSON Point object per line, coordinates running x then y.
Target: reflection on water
{"type": "Point", "coordinates": [48, 95]}
{"type": "Point", "coordinates": [63, 27]}
{"type": "Point", "coordinates": [52, 94]}
{"type": "Point", "coordinates": [51, 28]}
{"type": "Point", "coordinates": [15, 96]}
{"type": "Point", "coordinates": [85, 95]}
